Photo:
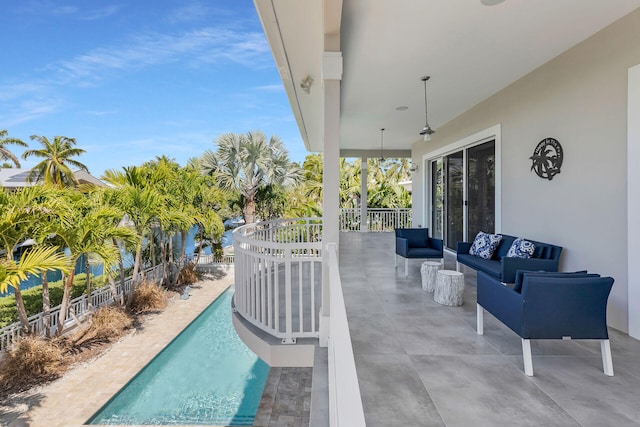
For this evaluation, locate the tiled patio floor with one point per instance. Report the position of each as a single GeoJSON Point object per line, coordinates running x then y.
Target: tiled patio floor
{"type": "Point", "coordinates": [422, 364]}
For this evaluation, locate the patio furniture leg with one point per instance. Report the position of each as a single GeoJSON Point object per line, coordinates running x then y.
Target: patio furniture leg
{"type": "Point", "coordinates": [607, 362]}
{"type": "Point", "coordinates": [479, 319]}
{"type": "Point", "coordinates": [395, 261]}
{"type": "Point", "coordinates": [457, 265]}
{"type": "Point", "coordinates": [406, 267]}
{"type": "Point", "coordinates": [526, 356]}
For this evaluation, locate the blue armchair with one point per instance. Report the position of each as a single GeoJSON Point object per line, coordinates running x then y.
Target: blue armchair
{"type": "Point", "coordinates": [544, 305]}
{"type": "Point", "coordinates": [416, 243]}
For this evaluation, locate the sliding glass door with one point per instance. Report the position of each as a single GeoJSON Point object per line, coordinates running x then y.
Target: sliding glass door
{"type": "Point", "coordinates": [462, 194]}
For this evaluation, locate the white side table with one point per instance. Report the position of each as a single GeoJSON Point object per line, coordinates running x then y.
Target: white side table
{"type": "Point", "coordinates": [449, 288]}
{"type": "Point", "coordinates": [428, 271]}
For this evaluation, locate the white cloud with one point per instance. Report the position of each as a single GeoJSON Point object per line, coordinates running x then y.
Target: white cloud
{"type": "Point", "coordinates": [270, 88]}
{"type": "Point", "coordinates": [204, 46]}
{"type": "Point", "coordinates": [96, 14]}
{"type": "Point", "coordinates": [29, 110]}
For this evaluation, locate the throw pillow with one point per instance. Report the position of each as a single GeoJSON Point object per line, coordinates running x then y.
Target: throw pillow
{"type": "Point", "coordinates": [485, 244]}
{"type": "Point", "coordinates": [521, 248]}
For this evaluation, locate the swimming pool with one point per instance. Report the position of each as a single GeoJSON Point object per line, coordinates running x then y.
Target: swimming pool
{"type": "Point", "coordinates": [206, 375]}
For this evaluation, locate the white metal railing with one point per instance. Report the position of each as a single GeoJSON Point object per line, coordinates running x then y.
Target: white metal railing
{"type": "Point", "coordinates": [377, 219]}
{"type": "Point", "coordinates": [278, 272]}
{"type": "Point", "coordinates": [345, 402]}
{"type": "Point", "coordinates": [226, 259]}
{"type": "Point", "coordinates": [78, 306]}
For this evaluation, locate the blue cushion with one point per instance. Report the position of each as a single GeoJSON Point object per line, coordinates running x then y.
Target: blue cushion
{"type": "Point", "coordinates": [521, 273]}
{"type": "Point", "coordinates": [538, 251]}
{"type": "Point", "coordinates": [490, 266]}
{"type": "Point", "coordinates": [521, 248]}
{"type": "Point", "coordinates": [417, 237]}
{"type": "Point", "coordinates": [424, 253]}
{"type": "Point", "coordinates": [503, 247]}
{"type": "Point", "coordinates": [484, 245]}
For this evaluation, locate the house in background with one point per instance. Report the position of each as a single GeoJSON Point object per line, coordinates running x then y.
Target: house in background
{"type": "Point", "coordinates": [12, 179]}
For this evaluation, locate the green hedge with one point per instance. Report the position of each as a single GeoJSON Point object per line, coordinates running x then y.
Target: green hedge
{"type": "Point", "coordinates": [33, 298]}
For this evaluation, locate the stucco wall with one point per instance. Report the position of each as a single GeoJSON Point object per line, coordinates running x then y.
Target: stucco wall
{"type": "Point", "coordinates": [579, 98]}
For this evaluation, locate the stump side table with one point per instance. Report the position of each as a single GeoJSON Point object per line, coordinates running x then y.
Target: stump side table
{"type": "Point", "coordinates": [428, 271]}
{"type": "Point", "coordinates": [449, 288]}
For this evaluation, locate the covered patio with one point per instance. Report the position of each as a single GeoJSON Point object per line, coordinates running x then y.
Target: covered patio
{"type": "Point", "coordinates": [422, 364]}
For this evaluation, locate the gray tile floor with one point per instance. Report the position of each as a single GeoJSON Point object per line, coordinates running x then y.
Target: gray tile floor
{"type": "Point", "coordinates": [422, 364]}
{"type": "Point", "coordinates": [286, 399]}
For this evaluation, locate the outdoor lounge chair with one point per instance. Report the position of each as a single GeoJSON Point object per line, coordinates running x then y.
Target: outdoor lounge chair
{"type": "Point", "coordinates": [545, 305]}
{"type": "Point", "coordinates": [416, 243]}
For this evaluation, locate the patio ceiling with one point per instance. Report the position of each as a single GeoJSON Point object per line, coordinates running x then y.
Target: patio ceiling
{"type": "Point", "coordinates": [471, 51]}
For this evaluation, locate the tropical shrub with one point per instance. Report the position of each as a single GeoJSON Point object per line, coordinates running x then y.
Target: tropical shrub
{"type": "Point", "coordinates": [148, 296]}
{"type": "Point", "coordinates": [188, 275]}
{"type": "Point", "coordinates": [106, 323]}
{"type": "Point", "coordinates": [31, 361]}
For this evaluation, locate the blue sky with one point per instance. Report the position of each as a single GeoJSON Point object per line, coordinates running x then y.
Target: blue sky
{"type": "Point", "coordinates": [132, 80]}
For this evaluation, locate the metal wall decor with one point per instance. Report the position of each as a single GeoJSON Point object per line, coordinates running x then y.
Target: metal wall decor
{"type": "Point", "coordinates": [547, 158]}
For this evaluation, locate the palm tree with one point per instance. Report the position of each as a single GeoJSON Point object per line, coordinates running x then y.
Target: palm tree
{"type": "Point", "coordinates": [56, 155]}
{"type": "Point", "coordinates": [141, 203]}
{"type": "Point", "coordinates": [21, 212]}
{"type": "Point", "coordinates": [88, 228]}
{"type": "Point", "coordinates": [248, 162]}
{"type": "Point", "coordinates": [33, 261]}
{"type": "Point", "coordinates": [5, 154]}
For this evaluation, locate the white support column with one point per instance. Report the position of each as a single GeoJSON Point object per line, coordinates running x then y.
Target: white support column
{"type": "Point", "coordinates": [363, 195]}
{"type": "Point", "coordinates": [331, 75]}
{"type": "Point", "coordinates": [633, 201]}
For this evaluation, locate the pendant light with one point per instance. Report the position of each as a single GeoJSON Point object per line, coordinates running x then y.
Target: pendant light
{"type": "Point", "coordinates": [382, 145]}
{"type": "Point", "coordinates": [426, 130]}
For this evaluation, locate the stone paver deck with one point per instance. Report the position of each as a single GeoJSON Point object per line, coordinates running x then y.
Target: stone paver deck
{"type": "Point", "coordinates": [73, 399]}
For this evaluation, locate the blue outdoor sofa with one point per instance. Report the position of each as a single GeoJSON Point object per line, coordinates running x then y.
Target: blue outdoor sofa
{"type": "Point", "coordinates": [546, 257]}
{"type": "Point", "coordinates": [544, 305]}
{"type": "Point", "coordinates": [416, 243]}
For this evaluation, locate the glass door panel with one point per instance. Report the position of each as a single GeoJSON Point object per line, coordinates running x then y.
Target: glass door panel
{"type": "Point", "coordinates": [454, 199]}
{"type": "Point", "coordinates": [437, 197]}
{"type": "Point", "coordinates": [481, 193]}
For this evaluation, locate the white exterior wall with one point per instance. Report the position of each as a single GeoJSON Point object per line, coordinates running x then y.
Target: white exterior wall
{"type": "Point", "coordinates": [633, 197]}
{"type": "Point", "coordinates": [579, 98]}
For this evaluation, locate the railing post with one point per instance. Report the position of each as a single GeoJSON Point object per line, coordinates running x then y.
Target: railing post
{"type": "Point", "coordinates": [288, 339]}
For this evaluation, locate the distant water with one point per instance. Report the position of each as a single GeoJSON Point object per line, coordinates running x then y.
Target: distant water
{"type": "Point", "coordinates": [128, 259]}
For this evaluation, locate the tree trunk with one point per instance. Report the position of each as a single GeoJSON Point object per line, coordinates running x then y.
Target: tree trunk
{"type": "Point", "coordinates": [184, 243]}
{"type": "Point", "coordinates": [163, 254]}
{"type": "Point", "coordinates": [65, 301]}
{"type": "Point", "coordinates": [249, 210]}
{"type": "Point", "coordinates": [152, 249]}
{"type": "Point", "coordinates": [134, 278]}
{"type": "Point", "coordinates": [22, 311]}
{"type": "Point", "coordinates": [171, 262]}
{"type": "Point", "coordinates": [87, 272]}
{"type": "Point", "coordinates": [46, 306]}
{"type": "Point", "coordinates": [200, 244]}
{"type": "Point", "coordinates": [121, 265]}
{"type": "Point", "coordinates": [114, 291]}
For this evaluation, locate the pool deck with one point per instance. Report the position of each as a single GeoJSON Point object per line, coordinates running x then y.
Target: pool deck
{"type": "Point", "coordinates": [73, 399]}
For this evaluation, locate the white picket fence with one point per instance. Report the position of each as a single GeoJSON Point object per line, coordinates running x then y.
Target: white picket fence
{"type": "Point", "coordinates": [79, 307]}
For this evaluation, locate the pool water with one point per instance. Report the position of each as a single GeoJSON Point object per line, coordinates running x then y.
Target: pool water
{"type": "Point", "coordinates": [205, 376]}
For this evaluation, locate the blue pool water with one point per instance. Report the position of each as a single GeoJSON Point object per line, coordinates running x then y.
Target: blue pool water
{"type": "Point", "coordinates": [205, 376]}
